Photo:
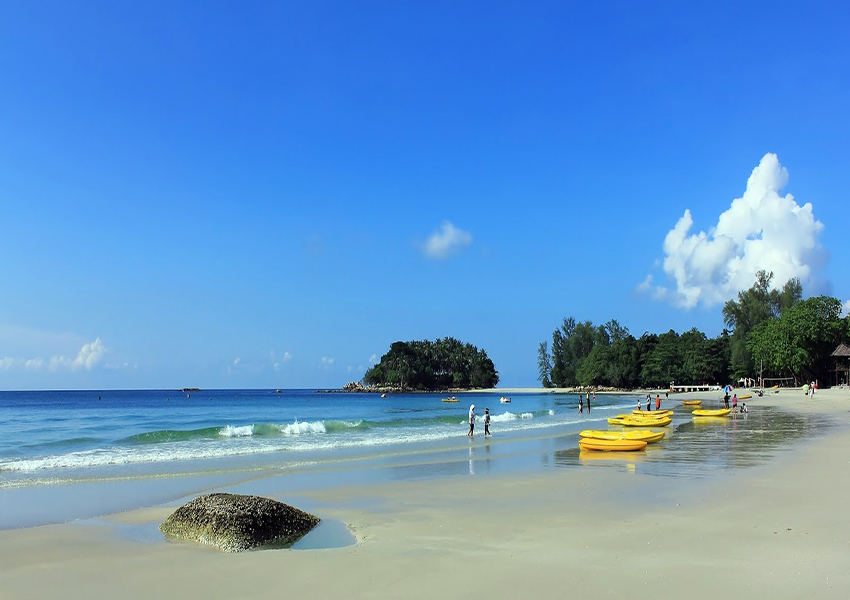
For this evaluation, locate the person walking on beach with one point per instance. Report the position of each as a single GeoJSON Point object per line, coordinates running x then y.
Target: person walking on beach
{"type": "Point", "coordinates": [648, 401]}
{"type": "Point", "coordinates": [471, 420]}
{"type": "Point", "coordinates": [486, 422]}
{"type": "Point", "coordinates": [726, 400]}
{"type": "Point", "coordinates": [657, 401]}
{"type": "Point", "coordinates": [735, 403]}
{"type": "Point", "coordinates": [639, 404]}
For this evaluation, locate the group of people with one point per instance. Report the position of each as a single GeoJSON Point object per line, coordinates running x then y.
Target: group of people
{"type": "Point", "coordinates": [813, 387]}
{"type": "Point", "coordinates": [581, 404]}
{"type": "Point", "coordinates": [734, 403]}
{"type": "Point", "coordinates": [471, 431]}
{"type": "Point", "coordinates": [657, 401]}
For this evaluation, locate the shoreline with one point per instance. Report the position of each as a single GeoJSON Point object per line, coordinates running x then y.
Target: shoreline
{"type": "Point", "coordinates": [777, 528]}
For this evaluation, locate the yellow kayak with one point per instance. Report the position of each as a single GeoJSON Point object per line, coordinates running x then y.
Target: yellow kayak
{"type": "Point", "coordinates": [611, 445]}
{"type": "Point", "coordinates": [691, 402]}
{"type": "Point", "coordinates": [746, 397]}
{"type": "Point", "coordinates": [653, 413]}
{"type": "Point", "coordinates": [663, 422]}
{"type": "Point", "coordinates": [720, 412]}
{"type": "Point", "coordinates": [644, 435]}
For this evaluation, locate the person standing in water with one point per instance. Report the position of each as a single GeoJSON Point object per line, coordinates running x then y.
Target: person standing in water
{"type": "Point", "coordinates": [471, 420]}
{"type": "Point", "coordinates": [580, 404]}
{"type": "Point", "coordinates": [735, 403]}
{"type": "Point", "coordinates": [486, 422]}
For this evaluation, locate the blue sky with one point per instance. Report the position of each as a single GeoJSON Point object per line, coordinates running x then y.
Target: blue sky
{"type": "Point", "coordinates": [270, 194]}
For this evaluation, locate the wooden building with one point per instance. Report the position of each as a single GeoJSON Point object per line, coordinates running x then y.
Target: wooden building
{"type": "Point", "coordinates": [841, 356]}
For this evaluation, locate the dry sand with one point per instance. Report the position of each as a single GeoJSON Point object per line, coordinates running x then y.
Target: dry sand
{"type": "Point", "coordinates": [780, 531]}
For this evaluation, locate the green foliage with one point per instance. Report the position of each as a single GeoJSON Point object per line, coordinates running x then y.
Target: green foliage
{"type": "Point", "coordinates": [799, 342]}
{"type": "Point", "coordinates": [544, 365]}
{"type": "Point", "coordinates": [424, 365]}
{"type": "Point", "coordinates": [609, 356]}
{"type": "Point", "coordinates": [755, 306]}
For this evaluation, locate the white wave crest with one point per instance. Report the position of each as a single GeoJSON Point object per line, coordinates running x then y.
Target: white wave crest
{"type": "Point", "coordinates": [297, 428]}
{"type": "Point", "coordinates": [239, 431]}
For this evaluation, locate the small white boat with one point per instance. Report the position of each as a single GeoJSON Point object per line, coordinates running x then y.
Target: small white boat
{"type": "Point", "coordinates": [504, 400]}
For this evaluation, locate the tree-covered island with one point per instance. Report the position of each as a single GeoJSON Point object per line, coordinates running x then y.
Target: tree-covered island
{"type": "Point", "coordinates": [430, 366]}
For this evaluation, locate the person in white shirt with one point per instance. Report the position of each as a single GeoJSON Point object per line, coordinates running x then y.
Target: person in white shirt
{"type": "Point", "coordinates": [744, 407]}
{"type": "Point", "coordinates": [471, 420]}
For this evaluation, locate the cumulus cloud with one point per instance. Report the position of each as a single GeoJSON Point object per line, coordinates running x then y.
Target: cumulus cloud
{"type": "Point", "coordinates": [33, 364]}
{"type": "Point", "coordinates": [6, 363]}
{"type": "Point", "coordinates": [327, 362]}
{"type": "Point", "coordinates": [88, 356]}
{"type": "Point", "coordinates": [445, 242]}
{"type": "Point", "coordinates": [760, 230]}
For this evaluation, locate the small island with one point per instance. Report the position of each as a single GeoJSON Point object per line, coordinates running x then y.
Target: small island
{"type": "Point", "coordinates": [426, 366]}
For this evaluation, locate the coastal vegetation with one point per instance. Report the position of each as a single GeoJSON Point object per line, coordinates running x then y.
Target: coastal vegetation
{"type": "Point", "coordinates": [769, 331]}
{"type": "Point", "coordinates": [424, 365]}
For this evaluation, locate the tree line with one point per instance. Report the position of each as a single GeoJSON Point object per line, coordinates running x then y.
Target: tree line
{"type": "Point", "coordinates": [424, 365]}
{"type": "Point", "coordinates": [772, 331]}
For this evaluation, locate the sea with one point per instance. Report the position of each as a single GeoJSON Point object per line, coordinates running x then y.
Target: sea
{"type": "Point", "coordinates": [133, 448]}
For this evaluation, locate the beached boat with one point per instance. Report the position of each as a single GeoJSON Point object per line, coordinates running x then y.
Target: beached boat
{"type": "Point", "coordinates": [719, 412]}
{"type": "Point", "coordinates": [611, 445]}
{"type": "Point", "coordinates": [663, 422]}
{"type": "Point", "coordinates": [745, 397]}
{"type": "Point", "coordinates": [653, 413]}
{"type": "Point", "coordinates": [691, 402]}
{"type": "Point", "coordinates": [643, 435]}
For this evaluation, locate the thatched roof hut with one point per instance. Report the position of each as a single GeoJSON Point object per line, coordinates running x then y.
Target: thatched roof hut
{"type": "Point", "coordinates": [841, 356]}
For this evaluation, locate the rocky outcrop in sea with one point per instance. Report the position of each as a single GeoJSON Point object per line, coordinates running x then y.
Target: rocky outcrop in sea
{"type": "Point", "coordinates": [235, 522]}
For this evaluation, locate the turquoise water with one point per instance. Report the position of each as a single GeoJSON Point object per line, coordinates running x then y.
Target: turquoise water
{"type": "Point", "coordinates": [83, 435]}
{"type": "Point", "coordinates": [75, 455]}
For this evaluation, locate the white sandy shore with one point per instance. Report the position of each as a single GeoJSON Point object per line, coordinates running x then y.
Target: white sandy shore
{"type": "Point", "coordinates": [775, 531]}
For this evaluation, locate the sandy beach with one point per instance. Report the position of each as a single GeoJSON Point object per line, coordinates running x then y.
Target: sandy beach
{"type": "Point", "coordinates": [776, 530]}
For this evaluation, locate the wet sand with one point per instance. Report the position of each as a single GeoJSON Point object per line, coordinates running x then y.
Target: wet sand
{"type": "Point", "coordinates": [776, 529]}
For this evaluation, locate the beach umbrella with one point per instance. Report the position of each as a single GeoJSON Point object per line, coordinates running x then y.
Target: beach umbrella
{"type": "Point", "coordinates": [728, 388]}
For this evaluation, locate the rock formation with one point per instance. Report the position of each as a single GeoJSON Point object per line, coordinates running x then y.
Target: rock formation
{"type": "Point", "coordinates": [234, 522]}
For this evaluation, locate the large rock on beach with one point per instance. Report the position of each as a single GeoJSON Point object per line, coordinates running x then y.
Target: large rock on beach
{"type": "Point", "coordinates": [234, 522]}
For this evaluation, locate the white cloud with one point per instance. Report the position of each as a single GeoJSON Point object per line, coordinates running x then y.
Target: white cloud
{"type": "Point", "coordinates": [760, 230]}
{"type": "Point", "coordinates": [349, 369]}
{"type": "Point", "coordinates": [445, 242]}
{"type": "Point", "coordinates": [33, 364]}
{"type": "Point", "coordinates": [6, 363]}
{"type": "Point", "coordinates": [88, 356]}
{"type": "Point", "coordinates": [373, 360]}
{"type": "Point", "coordinates": [846, 308]}
{"type": "Point", "coordinates": [236, 361]}
{"type": "Point", "coordinates": [327, 362]}
{"type": "Point", "coordinates": [278, 363]}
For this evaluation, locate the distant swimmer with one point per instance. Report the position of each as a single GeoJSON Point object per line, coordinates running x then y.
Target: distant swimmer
{"type": "Point", "coordinates": [471, 420]}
